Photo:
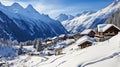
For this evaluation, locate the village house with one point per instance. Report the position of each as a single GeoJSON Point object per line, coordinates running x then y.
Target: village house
{"type": "Point", "coordinates": [53, 50]}
{"type": "Point", "coordinates": [58, 51]}
{"type": "Point", "coordinates": [54, 39]}
{"type": "Point", "coordinates": [88, 32]}
{"type": "Point", "coordinates": [48, 41]}
{"type": "Point", "coordinates": [77, 36]}
{"type": "Point", "coordinates": [49, 51]}
{"type": "Point", "coordinates": [85, 41]}
{"type": "Point", "coordinates": [107, 29]}
{"type": "Point", "coordinates": [62, 37]}
{"type": "Point", "coordinates": [70, 36]}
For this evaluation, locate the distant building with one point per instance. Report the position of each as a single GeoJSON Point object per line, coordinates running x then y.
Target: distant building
{"type": "Point", "coordinates": [70, 36]}
{"type": "Point", "coordinates": [49, 51]}
{"type": "Point", "coordinates": [62, 37]}
{"type": "Point", "coordinates": [88, 32]}
{"type": "Point", "coordinates": [85, 41]}
{"type": "Point", "coordinates": [77, 36]}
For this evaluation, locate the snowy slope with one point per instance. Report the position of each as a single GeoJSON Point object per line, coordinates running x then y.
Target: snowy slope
{"type": "Point", "coordinates": [101, 53]}
{"type": "Point", "coordinates": [75, 58]}
{"type": "Point", "coordinates": [26, 23]}
{"type": "Point", "coordinates": [91, 20]}
{"type": "Point", "coordinates": [109, 61]}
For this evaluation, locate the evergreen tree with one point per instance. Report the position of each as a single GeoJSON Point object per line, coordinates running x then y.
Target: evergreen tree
{"type": "Point", "coordinates": [20, 50]}
{"type": "Point", "coordinates": [39, 45]}
{"type": "Point", "coordinates": [34, 43]}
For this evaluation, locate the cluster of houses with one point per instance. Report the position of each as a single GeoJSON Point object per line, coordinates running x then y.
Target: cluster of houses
{"type": "Point", "coordinates": [56, 44]}
{"type": "Point", "coordinates": [101, 33]}
{"type": "Point", "coordinates": [82, 39]}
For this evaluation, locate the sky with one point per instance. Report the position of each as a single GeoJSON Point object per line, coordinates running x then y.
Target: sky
{"type": "Point", "coordinates": [55, 7]}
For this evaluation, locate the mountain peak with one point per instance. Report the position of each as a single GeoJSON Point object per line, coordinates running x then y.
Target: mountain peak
{"type": "Point", "coordinates": [16, 5]}
{"type": "Point", "coordinates": [30, 8]}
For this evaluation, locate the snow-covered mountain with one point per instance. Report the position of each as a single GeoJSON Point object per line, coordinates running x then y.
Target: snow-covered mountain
{"type": "Point", "coordinates": [85, 12]}
{"type": "Point", "coordinates": [91, 20]}
{"type": "Point", "coordinates": [23, 24]}
{"type": "Point", "coordinates": [63, 17]}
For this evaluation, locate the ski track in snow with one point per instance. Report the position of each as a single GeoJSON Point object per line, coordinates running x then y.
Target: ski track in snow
{"type": "Point", "coordinates": [106, 58]}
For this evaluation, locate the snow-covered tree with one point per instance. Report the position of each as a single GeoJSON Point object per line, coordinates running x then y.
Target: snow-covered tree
{"type": "Point", "coordinates": [39, 45]}
{"type": "Point", "coordinates": [34, 43]}
{"type": "Point", "coordinates": [20, 49]}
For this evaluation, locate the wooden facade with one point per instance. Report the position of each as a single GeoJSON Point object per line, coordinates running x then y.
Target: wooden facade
{"type": "Point", "coordinates": [90, 34]}
{"type": "Point", "coordinates": [77, 36]}
{"type": "Point", "coordinates": [49, 54]}
{"type": "Point", "coordinates": [85, 44]}
{"type": "Point", "coordinates": [58, 51]}
{"type": "Point", "coordinates": [63, 38]}
{"type": "Point", "coordinates": [109, 32]}
{"type": "Point", "coordinates": [70, 37]}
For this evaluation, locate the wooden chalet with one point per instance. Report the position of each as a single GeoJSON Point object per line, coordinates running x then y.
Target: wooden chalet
{"type": "Point", "coordinates": [63, 37]}
{"type": "Point", "coordinates": [70, 36]}
{"type": "Point", "coordinates": [54, 39]}
{"type": "Point", "coordinates": [77, 36]}
{"type": "Point", "coordinates": [88, 32]}
{"type": "Point", "coordinates": [85, 41]}
{"type": "Point", "coordinates": [48, 39]}
{"type": "Point", "coordinates": [49, 51]}
{"type": "Point", "coordinates": [107, 29]}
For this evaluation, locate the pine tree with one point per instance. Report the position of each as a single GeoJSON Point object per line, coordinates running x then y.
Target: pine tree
{"type": "Point", "coordinates": [20, 49]}
{"type": "Point", "coordinates": [39, 45]}
{"type": "Point", "coordinates": [34, 43]}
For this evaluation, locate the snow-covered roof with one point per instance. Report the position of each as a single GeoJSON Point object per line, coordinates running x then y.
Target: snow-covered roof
{"type": "Point", "coordinates": [59, 46]}
{"type": "Point", "coordinates": [87, 31]}
{"type": "Point", "coordinates": [104, 27]}
{"type": "Point", "coordinates": [62, 35]}
{"type": "Point", "coordinates": [50, 51]}
{"type": "Point", "coordinates": [49, 42]}
{"type": "Point", "coordinates": [54, 37]}
{"type": "Point", "coordinates": [51, 47]}
{"type": "Point", "coordinates": [83, 39]}
{"type": "Point", "coordinates": [70, 34]}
